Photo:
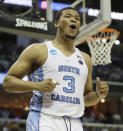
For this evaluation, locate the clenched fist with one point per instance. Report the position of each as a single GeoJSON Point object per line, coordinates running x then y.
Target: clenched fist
{"type": "Point", "coordinates": [102, 89]}
{"type": "Point", "coordinates": [46, 85]}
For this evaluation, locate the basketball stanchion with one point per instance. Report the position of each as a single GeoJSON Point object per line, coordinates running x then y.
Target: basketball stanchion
{"type": "Point", "coordinates": [100, 46]}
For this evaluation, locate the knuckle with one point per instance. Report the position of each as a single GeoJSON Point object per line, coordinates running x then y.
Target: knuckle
{"type": "Point", "coordinates": [50, 80]}
{"type": "Point", "coordinates": [49, 83]}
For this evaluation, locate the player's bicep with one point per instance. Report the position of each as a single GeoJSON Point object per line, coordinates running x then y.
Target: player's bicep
{"type": "Point", "coordinates": [19, 69]}
{"type": "Point", "coordinates": [23, 65]}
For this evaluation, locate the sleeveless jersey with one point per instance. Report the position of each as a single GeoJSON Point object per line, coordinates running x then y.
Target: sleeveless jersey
{"type": "Point", "coordinates": [71, 72]}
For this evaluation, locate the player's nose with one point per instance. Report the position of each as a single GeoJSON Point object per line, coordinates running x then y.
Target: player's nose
{"type": "Point", "coordinates": [73, 20]}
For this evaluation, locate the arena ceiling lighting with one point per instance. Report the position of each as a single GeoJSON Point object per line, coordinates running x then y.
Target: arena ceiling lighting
{"type": "Point", "coordinates": [58, 6]}
{"type": "Point", "coordinates": [19, 2]}
{"type": "Point", "coordinates": [114, 15]}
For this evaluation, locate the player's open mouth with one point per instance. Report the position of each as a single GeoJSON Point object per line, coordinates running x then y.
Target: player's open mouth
{"type": "Point", "coordinates": [73, 27]}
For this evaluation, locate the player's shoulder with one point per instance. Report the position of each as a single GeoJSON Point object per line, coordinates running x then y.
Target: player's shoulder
{"type": "Point", "coordinates": [37, 46]}
{"type": "Point", "coordinates": [87, 58]}
{"type": "Point", "coordinates": [34, 51]}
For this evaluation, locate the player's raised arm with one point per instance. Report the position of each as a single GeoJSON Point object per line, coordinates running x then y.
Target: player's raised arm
{"type": "Point", "coordinates": [27, 62]}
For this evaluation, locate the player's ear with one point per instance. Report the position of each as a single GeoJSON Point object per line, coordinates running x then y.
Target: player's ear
{"type": "Point", "coordinates": [56, 24]}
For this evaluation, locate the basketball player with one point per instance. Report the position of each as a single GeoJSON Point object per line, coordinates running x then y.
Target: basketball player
{"type": "Point", "coordinates": [60, 77]}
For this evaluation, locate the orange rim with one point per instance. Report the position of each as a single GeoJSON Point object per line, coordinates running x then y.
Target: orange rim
{"type": "Point", "coordinates": [108, 30]}
{"type": "Point", "coordinates": [100, 38]}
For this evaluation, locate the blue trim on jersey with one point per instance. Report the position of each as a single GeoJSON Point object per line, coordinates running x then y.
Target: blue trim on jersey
{"type": "Point", "coordinates": [36, 101]}
{"type": "Point", "coordinates": [33, 121]}
{"type": "Point", "coordinates": [37, 75]}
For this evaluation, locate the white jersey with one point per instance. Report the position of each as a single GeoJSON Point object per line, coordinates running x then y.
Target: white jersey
{"type": "Point", "coordinates": [71, 72]}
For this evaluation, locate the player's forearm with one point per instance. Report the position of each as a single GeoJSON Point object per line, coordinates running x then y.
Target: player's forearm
{"type": "Point", "coordinates": [13, 84]}
{"type": "Point", "coordinates": [91, 99]}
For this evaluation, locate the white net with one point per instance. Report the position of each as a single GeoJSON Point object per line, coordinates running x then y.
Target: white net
{"type": "Point", "coordinates": [100, 46]}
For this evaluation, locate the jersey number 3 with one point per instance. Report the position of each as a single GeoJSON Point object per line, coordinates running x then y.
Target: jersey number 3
{"type": "Point", "coordinates": [71, 84]}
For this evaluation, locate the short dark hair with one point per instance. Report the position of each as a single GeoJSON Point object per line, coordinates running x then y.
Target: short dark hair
{"type": "Point", "coordinates": [59, 13]}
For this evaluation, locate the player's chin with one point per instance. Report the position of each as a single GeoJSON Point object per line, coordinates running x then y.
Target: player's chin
{"type": "Point", "coordinates": [70, 37]}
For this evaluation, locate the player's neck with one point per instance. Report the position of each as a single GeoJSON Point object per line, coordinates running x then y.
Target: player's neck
{"type": "Point", "coordinates": [67, 44]}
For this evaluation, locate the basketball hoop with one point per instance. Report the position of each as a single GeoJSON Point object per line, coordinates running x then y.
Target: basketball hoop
{"type": "Point", "coordinates": [100, 46]}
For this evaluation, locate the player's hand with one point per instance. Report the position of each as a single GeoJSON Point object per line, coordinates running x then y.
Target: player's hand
{"type": "Point", "coordinates": [102, 89]}
{"type": "Point", "coordinates": [47, 85]}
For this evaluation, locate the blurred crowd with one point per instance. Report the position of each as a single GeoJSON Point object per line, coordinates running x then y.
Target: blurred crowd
{"type": "Point", "coordinates": [8, 114]}
{"type": "Point", "coordinates": [9, 52]}
{"type": "Point", "coordinates": [92, 116]}
{"type": "Point", "coordinates": [101, 117]}
{"type": "Point", "coordinates": [109, 72]}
